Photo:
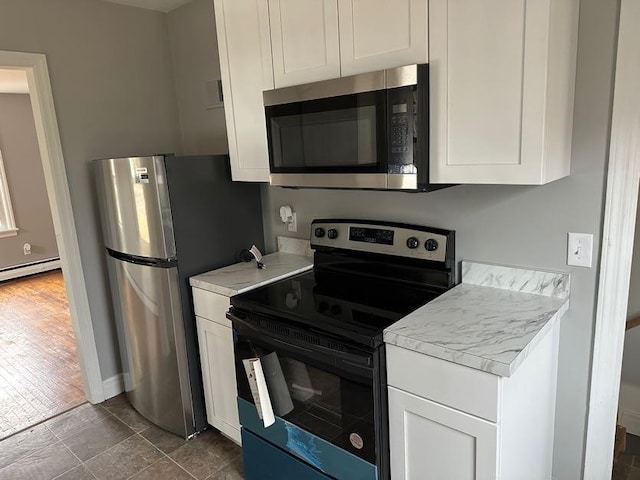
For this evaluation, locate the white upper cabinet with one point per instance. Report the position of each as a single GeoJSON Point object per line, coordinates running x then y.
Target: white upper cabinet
{"type": "Point", "coordinates": [380, 34]}
{"type": "Point", "coordinates": [304, 40]}
{"type": "Point", "coordinates": [501, 90]}
{"type": "Point", "coordinates": [246, 69]}
{"type": "Point", "coordinates": [314, 40]}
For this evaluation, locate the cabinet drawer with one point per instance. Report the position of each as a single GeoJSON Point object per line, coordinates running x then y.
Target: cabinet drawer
{"type": "Point", "coordinates": [211, 306]}
{"type": "Point", "coordinates": [457, 386]}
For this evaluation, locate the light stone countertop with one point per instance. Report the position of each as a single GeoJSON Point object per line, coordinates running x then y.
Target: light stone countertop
{"type": "Point", "coordinates": [241, 277]}
{"type": "Point", "coordinates": [491, 321]}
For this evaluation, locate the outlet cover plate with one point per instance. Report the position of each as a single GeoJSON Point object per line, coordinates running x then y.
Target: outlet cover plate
{"type": "Point", "coordinates": [292, 225]}
{"type": "Point", "coordinates": [580, 249]}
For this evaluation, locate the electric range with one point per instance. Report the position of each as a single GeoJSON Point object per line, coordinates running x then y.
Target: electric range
{"type": "Point", "coordinates": [319, 336]}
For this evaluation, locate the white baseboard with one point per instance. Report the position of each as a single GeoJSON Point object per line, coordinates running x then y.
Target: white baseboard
{"type": "Point", "coordinates": [629, 407]}
{"type": "Point", "coordinates": [630, 421]}
{"type": "Point", "coordinates": [113, 386]}
{"type": "Point", "coordinates": [29, 269]}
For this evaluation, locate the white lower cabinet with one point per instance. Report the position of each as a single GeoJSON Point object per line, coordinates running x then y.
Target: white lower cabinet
{"type": "Point", "coordinates": [215, 339]}
{"type": "Point", "coordinates": [450, 421]}
{"type": "Point", "coordinates": [429, 440]}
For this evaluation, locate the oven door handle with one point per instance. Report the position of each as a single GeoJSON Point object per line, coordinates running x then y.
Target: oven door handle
{"type": "Point", "coordinates": [360, 361]}
{"type": "Point", "coordinates": [350, 358]}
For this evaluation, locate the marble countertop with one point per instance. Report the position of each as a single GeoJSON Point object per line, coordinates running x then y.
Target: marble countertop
{"type": "Point", "coordinates": [491, 321]}
{"type": "Point", "coordinates": [241, 277]}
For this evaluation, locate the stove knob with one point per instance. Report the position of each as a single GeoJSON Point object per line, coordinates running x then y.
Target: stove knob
{"type": "Point", "coordinates": [413, 242]}
{"type": "Point", "coordinates": [332, 233]}
{"type": "Point", "coordinates": [431, 245]}
{"type": "Point", "coordinates": [319, 232]}
{"type": "Point", "coordinates": [323, 307]}
{"type": "Point", "coordinates": [335, 310]}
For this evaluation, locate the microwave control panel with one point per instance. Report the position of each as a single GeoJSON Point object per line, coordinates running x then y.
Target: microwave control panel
{"type": "Point", "coordinates": [401, 109]}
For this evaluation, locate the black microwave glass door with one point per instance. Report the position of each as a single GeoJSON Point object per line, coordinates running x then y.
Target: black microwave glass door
{"type": "Point", "coordinates": [344, 134]}
{"type": "Point", "coordinates": [334, 406]}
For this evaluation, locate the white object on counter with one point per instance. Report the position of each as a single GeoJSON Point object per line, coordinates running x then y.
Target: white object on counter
{"type": "Point", "coordinates": [242, 277]}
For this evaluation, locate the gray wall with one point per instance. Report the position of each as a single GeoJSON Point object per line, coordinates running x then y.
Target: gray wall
{"type": "Point", "coordinates": [514, 224]}
{"type": "Point", "coordinates": [194, 53]}
{"type": "Point", "coordinates": [21, 155]}
{"type": "Point", "coordinates": [113, 90]}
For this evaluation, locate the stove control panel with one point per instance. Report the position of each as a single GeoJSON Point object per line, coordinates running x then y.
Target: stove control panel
{"type": "Point", "coordinates": [387, 238]}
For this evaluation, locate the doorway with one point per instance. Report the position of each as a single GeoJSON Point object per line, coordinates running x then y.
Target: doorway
{"type": "Point", "coordinates": [39, 372]}
{"type": "Point", "coordinates": [39, 84]}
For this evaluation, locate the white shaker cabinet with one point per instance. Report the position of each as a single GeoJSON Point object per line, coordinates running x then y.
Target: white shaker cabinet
{"type": "Point", "coordinates": [314, 40]}
{"type": "Point", "coordinates": [501, 90]}
{"type": "Point", "coordinates": [304, 40]}
{"type": "Point", "coordinates": [246, 69]}
{"type": "Point", "coordinates": [439, 440]}
{"type": "Point", "coordinates": [451, 421]}
{"type": "Point", "coordinates": [381, 34]}
{"type": "Point", "coordinates": [215, 339]}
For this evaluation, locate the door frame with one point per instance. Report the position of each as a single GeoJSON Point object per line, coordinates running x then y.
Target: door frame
{"type": "Point", "coordinates": [621, 203]}
{"type": "Point", "coordinates": [44, 115]}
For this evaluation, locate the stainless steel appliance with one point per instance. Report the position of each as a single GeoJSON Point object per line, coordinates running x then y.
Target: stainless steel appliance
{"type": "Point", "coordinates": [321, 332]}
{"type": "Point", "coordinates": [368, 131]}
{"type": "Point", "coordinates": [166, 218]}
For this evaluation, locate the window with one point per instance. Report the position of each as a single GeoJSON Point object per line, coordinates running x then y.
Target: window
{"type": "Point", "coordinates": [7, 222]}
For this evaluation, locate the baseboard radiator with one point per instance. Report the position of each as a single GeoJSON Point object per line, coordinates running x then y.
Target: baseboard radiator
{"type": "Point", "coordinates": [29, 269]}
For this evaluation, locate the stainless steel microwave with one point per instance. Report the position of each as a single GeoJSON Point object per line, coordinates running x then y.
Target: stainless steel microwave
{"type": "Point", "coordinates": [368, 131]}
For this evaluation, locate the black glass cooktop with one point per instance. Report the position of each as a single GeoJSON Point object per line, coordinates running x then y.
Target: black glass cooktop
{"type": "Point", "coordinates": [347, 306]}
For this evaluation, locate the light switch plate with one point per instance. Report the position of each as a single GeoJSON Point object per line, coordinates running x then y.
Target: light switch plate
{"type": "Point", "coordinates": [579, 249]}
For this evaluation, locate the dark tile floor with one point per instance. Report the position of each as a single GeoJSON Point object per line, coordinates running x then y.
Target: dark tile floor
{"type": "Point", "coordinates": [111, 441]}
{"type": "Point", "coordinates": [627, 467]}
{"type": "Point", "coordinates": [39, 371]}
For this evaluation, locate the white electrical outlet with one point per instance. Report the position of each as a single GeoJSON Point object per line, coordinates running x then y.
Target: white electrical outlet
{"type": "Point", "coordinates": [292, 225]}
{"type": "Point", "coordinates": [26, 248]}
{"type": "Point", "coordinates": [579, 249]}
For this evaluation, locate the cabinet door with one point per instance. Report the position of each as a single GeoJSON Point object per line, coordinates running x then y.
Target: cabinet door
{"type": "Point", "coordinates": [246, 70]}
{"type": "Point", "coordinates": [380, 34]}
{"type": "Point", "coordinates": [304, 40]}
{"type": "Point", "coordinates": [219, 376]}
{"type": "Point", "coordinates": [429, 440]}
{"type": "Point", "coordinates": [488, 64]}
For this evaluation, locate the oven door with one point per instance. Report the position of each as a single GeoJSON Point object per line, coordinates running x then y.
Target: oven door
{"type": "Point", "coordinates": [323, 386]}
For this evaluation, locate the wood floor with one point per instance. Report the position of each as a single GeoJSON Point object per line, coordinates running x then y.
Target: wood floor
{"type": "Point", "coordinates": [39, 372]}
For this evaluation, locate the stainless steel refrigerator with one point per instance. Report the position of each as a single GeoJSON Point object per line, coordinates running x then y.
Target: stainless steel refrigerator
{"type": "Point", "coordinates": [166, 218]}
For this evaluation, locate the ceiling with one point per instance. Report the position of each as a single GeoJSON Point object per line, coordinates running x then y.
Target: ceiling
{"type": "Point", "coordinates": [13, 81]}
{"type": "Point", "coordinates": [159, 5]}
